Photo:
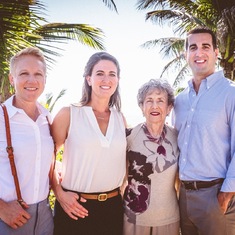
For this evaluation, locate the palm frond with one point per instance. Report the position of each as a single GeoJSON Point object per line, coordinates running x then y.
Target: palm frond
{"type": "Point", "coordinates": [174, 65]}
{"type": "Point", "coordinates": [184, 15]}
{"type": "Point", "coordinates": [110, 4]}
{"type": "Point", "coordinates": [170, 47]}
{"type": "Point", "coordinates": [62, 92]}
{"type": "Point", "coordinates": [183, 72]}
{"type": "Point", "coordinates": [180, 21]}
{"type": "Point", "coordinates": [23, 24]}
{"type": "Point", "coordinates": [83, 33]}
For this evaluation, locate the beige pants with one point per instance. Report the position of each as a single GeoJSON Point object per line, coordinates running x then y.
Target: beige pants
{"type": "Point", "coordinates": [133, 229]}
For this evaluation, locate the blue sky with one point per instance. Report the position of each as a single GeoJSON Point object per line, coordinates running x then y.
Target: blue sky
{"type": "Point", "coordinates": [125, 32]}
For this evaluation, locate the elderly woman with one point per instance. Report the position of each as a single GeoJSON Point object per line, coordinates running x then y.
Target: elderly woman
{"type": "Point", "coordinates": [150, 198]}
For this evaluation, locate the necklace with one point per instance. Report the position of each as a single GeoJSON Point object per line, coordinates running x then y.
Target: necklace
{"type": "Point", "coordinates": [97, 114]}
{"type": "Point", "coordinates": [102, 118]}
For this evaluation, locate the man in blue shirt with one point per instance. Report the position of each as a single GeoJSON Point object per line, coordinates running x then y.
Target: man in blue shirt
{"type": "Point", "coordinates": [205, 119]}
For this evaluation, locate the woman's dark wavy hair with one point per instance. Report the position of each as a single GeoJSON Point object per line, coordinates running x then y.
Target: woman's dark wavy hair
{"type": "Point", "coordinates": [115, 99]}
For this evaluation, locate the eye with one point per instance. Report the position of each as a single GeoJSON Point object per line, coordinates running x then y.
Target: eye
{"type": "Point", "coordinates": [39, 75]}
{"type": "Point", "coordinates": [112, 75]}
{"type": "Point", "coordinates": [206, 47]}
{"type": "Point", "coordinates": [99, 74]}
{"type": "Point", "coordinates": [149, 101]}
{"type": "Point", "coordinates": [24, 73]}
{"type": "Point", "coordinates": [192, 48]}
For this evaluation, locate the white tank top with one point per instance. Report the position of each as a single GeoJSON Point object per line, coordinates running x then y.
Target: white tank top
{"type": "Point", "coordinates": [93, 162]}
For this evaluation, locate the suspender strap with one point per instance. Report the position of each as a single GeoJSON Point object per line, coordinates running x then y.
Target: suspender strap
{"type": "Point", "coordinates": [10, 150]}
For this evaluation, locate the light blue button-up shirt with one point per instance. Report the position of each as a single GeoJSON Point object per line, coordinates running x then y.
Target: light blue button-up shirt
{"type": "Point", "coordinates": [206, 126]}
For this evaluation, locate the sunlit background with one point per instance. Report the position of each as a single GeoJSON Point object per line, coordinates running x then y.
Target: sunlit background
{"type": "Point", "coordinates": [125, 32]}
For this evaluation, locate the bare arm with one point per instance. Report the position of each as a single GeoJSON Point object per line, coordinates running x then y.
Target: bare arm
{"type": "Point", "coordinates": [67, 200]}
{"type": "Point", "coordinates": [60, 126]}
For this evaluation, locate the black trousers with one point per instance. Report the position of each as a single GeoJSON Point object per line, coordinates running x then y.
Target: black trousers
{"type": "Point", "coordinates": [105, 218]}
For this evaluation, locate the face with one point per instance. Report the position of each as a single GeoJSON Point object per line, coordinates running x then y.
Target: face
{"type": "Point", "coordinates": [200, 55]}
{"type": "Point", "coordinates": [28, 78]}
{"type": "Point", "coordinates": [104, 79]}
{"type": "Point", "coordinates": [155, 107]}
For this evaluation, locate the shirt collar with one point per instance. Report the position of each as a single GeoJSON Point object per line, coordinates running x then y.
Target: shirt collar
{"type": "Point", "coordinates": [210, 80]}
{"type": "Point", "coordinates": [12, 110]}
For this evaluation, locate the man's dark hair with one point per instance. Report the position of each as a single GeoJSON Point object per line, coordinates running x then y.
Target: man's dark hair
{"type": "Point", "coordinates": [202, 30]}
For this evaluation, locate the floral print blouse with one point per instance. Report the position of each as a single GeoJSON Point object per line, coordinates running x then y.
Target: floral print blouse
{"type": "Point", "coordinates": [153, 163]}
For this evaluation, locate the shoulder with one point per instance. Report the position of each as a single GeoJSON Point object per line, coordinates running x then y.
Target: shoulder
{"type": "Point", "coordinates": [132, 132]}
{"type": "Point", "coordinates": [182, 92]}
{"type": "Point", "coordinates": [171, 129]}
{"type": "Point", "coordinates": [119, 115]}
{"type": "Point", "coordinates": [124, 119]}
{"type": "Point", "coordinates": [62, 116]}
{"type": "Point", "coordinates": [171, 132]}
{"type": "Point", "coordinates": [43, 110]}
{"type": "Point", "coordinates": [64, 111]}
{"type": "Point", "coordinates": [231, 86]}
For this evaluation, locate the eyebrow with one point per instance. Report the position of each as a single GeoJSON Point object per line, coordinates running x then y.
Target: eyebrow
{"type": "Point", "coordinates": [103, 71]}
{"type": "Point", "coordinates": [204, 44]}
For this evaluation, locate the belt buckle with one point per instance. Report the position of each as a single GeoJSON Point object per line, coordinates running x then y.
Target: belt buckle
{"type": "Point", "coordinates": [102, 197]}
{"type": "Point", "coordinates": [190, 185]}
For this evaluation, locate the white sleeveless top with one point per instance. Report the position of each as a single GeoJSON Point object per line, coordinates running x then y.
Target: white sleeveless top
{"type": "Point", "coordinates": [93, 162]}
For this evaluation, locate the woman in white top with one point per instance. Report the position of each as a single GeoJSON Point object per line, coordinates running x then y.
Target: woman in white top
{"type": "Point", "coordinates": [94, 158]}
{"type": "Point", "coordinates": [33, 150]}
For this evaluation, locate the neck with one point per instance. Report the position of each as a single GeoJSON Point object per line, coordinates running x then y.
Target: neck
{"type": "Point", "coordinates": [30, 108]}
{"type": "Point", "coordinates": [197, 80]}
{"type": "Point", "coordinates": [99, 106]}
{"type": "Point", "coordinates": [155, 129]}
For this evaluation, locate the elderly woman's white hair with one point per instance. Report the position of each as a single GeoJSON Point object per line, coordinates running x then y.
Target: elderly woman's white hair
{"type": "Point", "coordinates": [155, 84]}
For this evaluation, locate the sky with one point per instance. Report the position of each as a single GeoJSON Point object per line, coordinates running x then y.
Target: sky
{"type": "Point", "coordinates": [124, 34]}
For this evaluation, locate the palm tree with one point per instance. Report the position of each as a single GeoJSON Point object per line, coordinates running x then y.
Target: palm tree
{"type": "Point", "coordinates": [185, 15]}
{"type": "Point", "coordinates": [22, 24]}
{"type": "Point", "coordinates": [110, 4]}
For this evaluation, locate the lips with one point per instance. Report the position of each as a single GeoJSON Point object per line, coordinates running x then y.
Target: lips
{"type": "Point", "coordinates": [31, 88]}
{"type": "Point", "coordinates": [105, 87]}
{"type": "Point", "coordinates": [155, 113]}
{"type": "Point", "coordinates": [200, 61]}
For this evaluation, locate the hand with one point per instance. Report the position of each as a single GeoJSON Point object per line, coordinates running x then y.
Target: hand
{"type": "Point", "coordinates": [13, 214]}
{"type": "Point", "coordinates": [69, 202]}
{"type": "Point", "coordinates": [224, 199]}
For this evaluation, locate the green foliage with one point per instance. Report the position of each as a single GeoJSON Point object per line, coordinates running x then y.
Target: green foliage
{"type": "Point", "coordinates": [50, 98]}
{"type": "Point", "coordinates": [185, 15]}
{"type": "Point", "coordinates": [23, 24]}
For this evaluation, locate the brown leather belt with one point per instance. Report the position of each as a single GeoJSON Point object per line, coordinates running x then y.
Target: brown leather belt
{"type": "Point", "coordinates": [100, 196]}
{"type": "Point", "coordinates": [195, 185]}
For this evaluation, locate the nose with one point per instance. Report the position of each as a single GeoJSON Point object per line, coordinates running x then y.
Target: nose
{"type": "Point", "coordinates": [199, 52]}
{"type": "Point", "coordinates": [155, 104]}
{"type": "Point", "coordinates": [106, 78]}
{"type": "Point", "coordinates": [32, 78]}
